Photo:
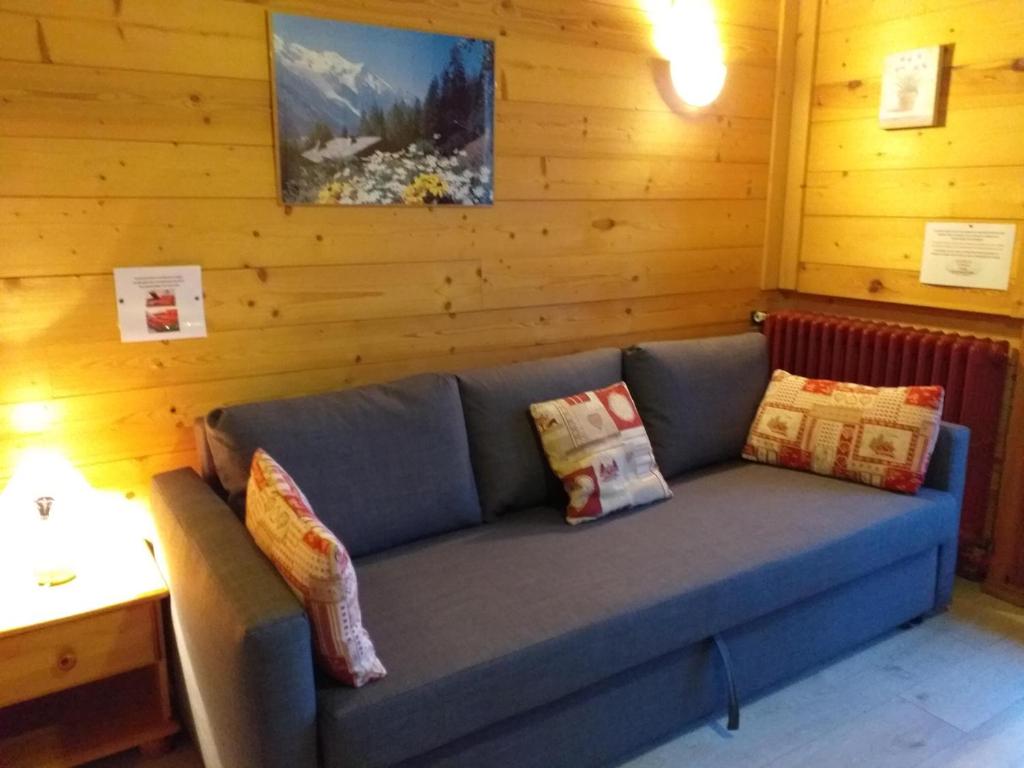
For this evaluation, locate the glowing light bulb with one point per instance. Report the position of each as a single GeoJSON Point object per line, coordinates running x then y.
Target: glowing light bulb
{"type": "Point", "coordinates": [697, 83]}
{"type": "Point", "coordinates": [685, 34]}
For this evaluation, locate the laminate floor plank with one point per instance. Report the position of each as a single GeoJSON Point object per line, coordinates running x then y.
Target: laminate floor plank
{"type": "Point", "coordinates": [976, 690]}
{"type": "Point", "coordinates": [999, 743]}
{"type": "Point", "coordinates": [894, 735]}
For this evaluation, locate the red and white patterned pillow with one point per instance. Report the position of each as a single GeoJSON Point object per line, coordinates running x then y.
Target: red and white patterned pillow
{"type": "Point", "coordinates": [597, 445]}
{"type": "Point", "coordinates": [881, 436]}
{"type": "Point", "coordinates": [317, 568]}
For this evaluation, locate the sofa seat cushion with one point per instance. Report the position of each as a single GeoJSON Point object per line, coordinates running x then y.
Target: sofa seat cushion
{"type": "Point", "coordinates": [487, 623]}
{"type": "Point", "coordinates": [382, 465]}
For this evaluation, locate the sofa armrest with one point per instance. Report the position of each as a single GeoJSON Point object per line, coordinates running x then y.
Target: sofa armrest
{"type": "Point", "coordinates": [947, 472]}
{"type": "Point", "coordinates": [948, 467]}
{"type": "Point", "coordinates": [242, 637]}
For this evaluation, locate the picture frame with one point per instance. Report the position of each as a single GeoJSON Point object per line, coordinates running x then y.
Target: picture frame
{"type": "Point", "coordinates": [380, 116]}
{"type": "Point", "coordinates": [910, 88]}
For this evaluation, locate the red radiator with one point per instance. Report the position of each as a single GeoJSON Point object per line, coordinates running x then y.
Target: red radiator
{"type": "Point", "coordinates": [973, 372]}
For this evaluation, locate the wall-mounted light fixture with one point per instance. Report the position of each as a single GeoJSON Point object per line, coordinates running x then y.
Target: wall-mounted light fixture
{"type": "Point", "coordinates": [685, 33]}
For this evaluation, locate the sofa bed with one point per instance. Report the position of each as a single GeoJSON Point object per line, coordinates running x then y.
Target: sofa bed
{"type": "Point", "coordinates": [511, 638]}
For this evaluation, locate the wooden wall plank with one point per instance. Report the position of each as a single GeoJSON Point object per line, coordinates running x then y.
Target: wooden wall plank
{"type": "Point", "coordinates": [983, 31]}
{"type": "Point", "coordinates": [54, 101]}
{"type": "Point", "coordinates": [91, 168]}
{"type": "Point", "coordinates": [986, 85]}
{"type": "Point", "coordinates": [216, 18]}
{"type": "Point", "coordinates": [639, 178]}
{"type": "Point", "coordinates": [890, 243]}
{"type": "Point", "coordinates": [895, 243]}
{"type": "Point", "coordinates": [521, 282]}
{"type": "Point", "coordinates": [104, 367]}
{"type": "Point", "coordinates": [46, 100]}
{"type": "Point", "coordinates": [614, 25]}
{"type": "Point", "coordinates": [66, 237]}
{"type": "Point", "coordinates": [555, 73]}
{"type": "Point", "coordinates": [571, 130]}
{"type": "Point", "coordinates": [863, 145]}
{"type": "Point", "coordinates": [979, 193]}
{"type": "Point", "coordinates": [49, 310]}
{"type": "Point", "coordinates": [131, 479]}
{"type": "Point", "coordinates": [152, 49]}
{"type": "Point", "coordinates": [844, 14]}
{"type": "Point", "coordinates": [898, 287]}
{"type": "Point", "coordinates": [760, 14]}
{"type": "Point", "coordinates": [97, 35]}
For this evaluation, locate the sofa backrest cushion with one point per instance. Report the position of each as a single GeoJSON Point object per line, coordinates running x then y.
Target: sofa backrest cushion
{"type": "Point", "coordinates": [697, 397]}
{"type": "Point", "coordinates": [511, 470]}
{"type": "Point", "coordinates": [382, 465]}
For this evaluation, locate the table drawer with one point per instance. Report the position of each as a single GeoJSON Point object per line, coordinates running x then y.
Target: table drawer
{"type": "Point", "coordinates": [58, 656]}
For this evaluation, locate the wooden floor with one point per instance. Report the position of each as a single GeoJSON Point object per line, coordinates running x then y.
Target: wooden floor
{"type": "Point", "coordinates": [946, 694]}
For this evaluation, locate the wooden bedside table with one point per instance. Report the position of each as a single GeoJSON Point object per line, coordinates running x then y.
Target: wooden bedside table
{"type": "Point", "coordinates": [83, 671]}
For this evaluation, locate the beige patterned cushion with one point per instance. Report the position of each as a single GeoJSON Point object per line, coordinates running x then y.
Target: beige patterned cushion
{"type": "Point", "coordinates": [317, 568]}
{"type": "Point", "coordinates": [597, 445]}
{"type": "Point", "coordinates": [881, 436]}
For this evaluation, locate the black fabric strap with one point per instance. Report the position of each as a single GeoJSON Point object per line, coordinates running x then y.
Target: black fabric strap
{"type": "Point", "coordinates": [730, 682]}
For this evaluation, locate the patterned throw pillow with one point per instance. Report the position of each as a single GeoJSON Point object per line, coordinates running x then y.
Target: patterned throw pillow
{"type": "Point", "coordinates": [881, 436]}
{"type": "Point", "coordinates": [597, 445]}
{"type": "Point", "coordinates": [315, 566]}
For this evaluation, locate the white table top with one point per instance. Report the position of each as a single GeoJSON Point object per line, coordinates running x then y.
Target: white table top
{"type": "Point", "coordinates": [104, 579]}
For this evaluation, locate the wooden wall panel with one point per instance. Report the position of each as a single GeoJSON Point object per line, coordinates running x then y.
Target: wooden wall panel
{"type": "Point", "coordinates": [139, 133]}
{"type": "Point", "coordinates": [869, 192]}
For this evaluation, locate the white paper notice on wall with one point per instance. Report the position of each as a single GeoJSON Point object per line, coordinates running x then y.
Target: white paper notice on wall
{"type": "Point", "coordinates": [160, 303]}
{"type": "Point", "coordinates": [968, 254]}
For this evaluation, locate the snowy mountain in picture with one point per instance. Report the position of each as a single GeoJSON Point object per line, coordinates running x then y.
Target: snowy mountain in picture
{"type": "Point", "coordinates": [324, 86]}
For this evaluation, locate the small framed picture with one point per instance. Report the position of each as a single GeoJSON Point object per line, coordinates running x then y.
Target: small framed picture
{"type": "Point", "coordinates": [910, 88]}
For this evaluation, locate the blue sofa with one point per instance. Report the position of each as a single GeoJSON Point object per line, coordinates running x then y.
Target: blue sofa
{"type": "Point", "coordinates": [511, 638]}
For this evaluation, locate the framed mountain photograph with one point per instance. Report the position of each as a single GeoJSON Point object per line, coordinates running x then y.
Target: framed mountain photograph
{"type": "Point", "coordinates": [369, 115]}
